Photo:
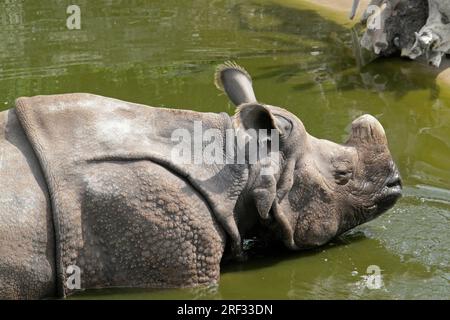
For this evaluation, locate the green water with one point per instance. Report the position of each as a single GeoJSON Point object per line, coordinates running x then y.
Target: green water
{"type": "Point", "coordinates": [163, 53]}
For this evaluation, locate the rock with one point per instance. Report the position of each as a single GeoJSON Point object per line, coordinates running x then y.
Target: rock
{"type": "Point", "coordinates": [412, 28]}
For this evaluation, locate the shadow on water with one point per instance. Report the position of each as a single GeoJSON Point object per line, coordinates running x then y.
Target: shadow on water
{"type": "Point", "coordinates": [271, 254]}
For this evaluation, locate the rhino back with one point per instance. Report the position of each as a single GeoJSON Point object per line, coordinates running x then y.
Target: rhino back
{"type": "Point", "coordinates": [27, 265]}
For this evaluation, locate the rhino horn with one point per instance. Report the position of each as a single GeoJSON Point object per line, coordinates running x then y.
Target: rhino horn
{"type": "Point", "coordinates": [236, 82]}
{"type": "Point", "coordinates": [367, 130]}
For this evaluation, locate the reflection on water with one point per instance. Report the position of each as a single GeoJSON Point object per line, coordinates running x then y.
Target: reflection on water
{"type": "Point", "coordinates": [163, 53]}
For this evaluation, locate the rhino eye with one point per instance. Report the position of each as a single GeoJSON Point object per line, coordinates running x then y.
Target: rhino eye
{"type": "Point", "coordinates": [342, 176]}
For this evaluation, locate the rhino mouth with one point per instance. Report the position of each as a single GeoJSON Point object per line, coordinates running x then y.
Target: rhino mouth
{"type": "Point", "coordinates": [385, 200]}
{"type": "Point", "coordinates": [391, 193]}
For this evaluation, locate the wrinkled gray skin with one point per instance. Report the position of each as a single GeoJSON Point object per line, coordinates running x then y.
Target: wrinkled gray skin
{"type": "Point", "coordinates": [411, 28]}
{"type": "Point", "coordinates": [165, 232]}
{"type": "Point", "coordinates": [27, 244]}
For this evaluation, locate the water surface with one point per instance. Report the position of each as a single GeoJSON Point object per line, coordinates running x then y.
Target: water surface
{"type": "Point", "coordinates": [163, 53]}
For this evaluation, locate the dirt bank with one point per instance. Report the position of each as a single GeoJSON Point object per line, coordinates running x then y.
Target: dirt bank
{"type": "Point", "coordinates": [343, 6]}
{"type": "Point", "coordinates": [337, 10]}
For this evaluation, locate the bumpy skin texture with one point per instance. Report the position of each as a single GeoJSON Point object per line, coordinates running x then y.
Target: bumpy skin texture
{"type": "Point", "coordinates": [170, 237]}
{"type": "Point", "coordinates": [27, 262]}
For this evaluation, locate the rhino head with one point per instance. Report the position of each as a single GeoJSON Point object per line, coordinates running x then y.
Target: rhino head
{"type": "Point", "coordinates": [319, 189]}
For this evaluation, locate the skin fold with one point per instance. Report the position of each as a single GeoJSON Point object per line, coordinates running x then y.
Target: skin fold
{"type": "Point", "coordinates": [98, 189]}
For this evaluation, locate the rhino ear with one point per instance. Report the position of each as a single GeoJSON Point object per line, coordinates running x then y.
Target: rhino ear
{"type": "Point", "coordinates": [254, 116]}
{"type": "Point", "coordinates": [236, 82]}
{"type": "Point", "coordinates": [257, 116]}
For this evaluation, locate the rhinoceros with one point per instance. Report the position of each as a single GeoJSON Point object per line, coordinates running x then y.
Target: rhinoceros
{"type": "Point", "coordinates": [91, 196]}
